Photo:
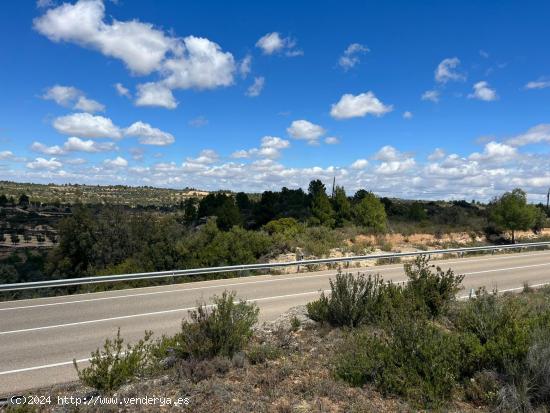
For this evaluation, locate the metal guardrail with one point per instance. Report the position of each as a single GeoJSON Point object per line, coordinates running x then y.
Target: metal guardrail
{"type": "Point", "coordinates": [245, 267]}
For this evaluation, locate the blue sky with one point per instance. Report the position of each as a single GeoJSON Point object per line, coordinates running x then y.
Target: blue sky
{"type": "Point", "coordinates": [413, 99]}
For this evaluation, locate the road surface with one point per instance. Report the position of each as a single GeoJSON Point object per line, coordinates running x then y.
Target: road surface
{"type": "Point", "coordinates": [39, 338]}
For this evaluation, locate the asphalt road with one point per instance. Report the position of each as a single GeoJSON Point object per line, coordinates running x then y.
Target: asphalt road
{"type": "Point", "coordinates": [39, 338]}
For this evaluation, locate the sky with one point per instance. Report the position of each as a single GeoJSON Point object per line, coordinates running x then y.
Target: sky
{"type": "Point", "coordinates": [423, 99]}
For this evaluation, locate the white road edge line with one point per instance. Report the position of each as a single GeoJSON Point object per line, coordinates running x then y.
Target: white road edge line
{"type": "Point", "coordinates": [64, 363]}
{"type": "Point", "coordinates": [123, 317]}
{"type": "Point", "coordinates": [177, 290]}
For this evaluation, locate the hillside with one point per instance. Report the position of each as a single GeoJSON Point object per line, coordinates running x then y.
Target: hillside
{"type": "Point", "coordinates": [97, 194]}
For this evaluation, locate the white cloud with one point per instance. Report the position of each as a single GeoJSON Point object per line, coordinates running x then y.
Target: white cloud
{"type": "Point", "coordinates": [495, 152]}
{"type": "Point", "coordinates": [62, 95]}
{"type": "Point", "coordinates": [407, 115]}
{"type": "Point", "coordinates": [274, 43]}
{"type": "Point", "coordinates": [73, 144]}
{"type": "Point", "coordinates": [88, 105]}
{"type": "Point", "coordinates": [484, 54]}
{"type": "Point", "coordinates": [6, 155]}
{"type": "Point", "coordinates": [359, 164]}
{"type": "Point", "coordinates": [270, 148]}
{"type": "Point", "coordinates": [87, 126]}
{"type": "Point", "coordinates": [118, 162]}
{"type": "Point", "coordinates": [437, 154]}
{"type": "Point", "coordinates": [47, 150]}
{"type": "Point", "coordinates": [122, 90]}
{"type": "Point", "coordinates": [139, 45]}
{"type": "Point", "coordinates": [206, 157]}
{"type": "Point", "coordinates": [183, 63]}
{"type": "Point", "coordinates": [445, 71]}
{"type": "Point", "coordinates": [149, 135]}
{"type": "Point", "coordinates": [245, 66]}
{"type": "Point", "coordinates": [332, 140]}
{"type": "Point", "coordinates": [155, 94]}
{"type": "Point", "coordinates": [482, 91]}
{"type": "Point", "coordinates": [46, 164]}
{"type": "Point", "coordinates": [350, 106]}
{"type": "Point", "coordinates": [432, 95]}
{"type": "Point", "coordinates": [536, 134]}
{"type": "Point", "coordinates": [203, 66]}
{"type": "Point", "coordinates": [256, 88]}
{"type": "Point", "coordinates": [69, 96]}
{"type": "Point", "coordinates": [387, 153]}
{"type": "Point", "coordinates": [303, 129]}
{"type": "Point", "coordinates": [351, 55]}
{"type": "Point", "coordinates": [538, 84]}
{"type": "Point", "coordinates": [394, 167]}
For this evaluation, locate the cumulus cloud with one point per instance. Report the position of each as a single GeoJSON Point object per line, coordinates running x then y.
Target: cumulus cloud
{"type": "Point", "coordinates": [73, 144]}
{"type": "Point", "coordinates": [351, 55]}
{"type": "Point", "coordinates": [482, 91]}
{"type": "Point", "coordinates": [182, 63]}
{"type": "Point", "coordinates": [155, 94]}
{"type": "Point", "coordinates": [305, 130]}
{"type": "Point", "coordinates": [69, 96]}
{"type": "Point", "coordinates": [118, 162]}
{"type": "Point", "coordinates": [350, 106]}
{"type": "Point", "coordinates": [431, 95]}
{"type": "Point", "coordinates": [256, 88]}
{"type": "Point", "coordinates": [44, 164]}
{"type": "Point", "coordinates": [122, 90]}
{"type": "Point", "coordinates": [206, 157]}
{"type": "Point", "coordinates": [148, 135]}
{"type": "Point", "coordinates": [270, 148]}
{"type": "Point", "coordinates": [445, 71]}
{"type": "Point", "coordinates": [87, 126]}
{"type": "Point", "coordinates": [437, 154]}
{"type": "Point", "coordinates": [273, 43]}
{"type": "Point", "coordinates": [407, 115]}
{"type": "Point", "coordinates": [495, 152]}
{"type": "Point", "coordinates": [359, 164]}
{"type": "Point", "coordinates": [6, 155]}
{"type": "Point", "coordinates": [332, 140]}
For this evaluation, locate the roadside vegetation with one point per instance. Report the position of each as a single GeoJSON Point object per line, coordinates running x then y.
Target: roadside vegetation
{"type": "Point", "coordinates": [222, 228]}
{"type": "Point", "coordinates": [367, 346]}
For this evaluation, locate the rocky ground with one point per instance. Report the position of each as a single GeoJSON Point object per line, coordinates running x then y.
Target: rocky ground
{"type": "Point", "coordinates": [286, 368]}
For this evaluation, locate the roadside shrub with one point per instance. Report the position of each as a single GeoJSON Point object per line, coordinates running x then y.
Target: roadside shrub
{"type": "Point", "coordinates": [260, 353]}
{"type": "Point", "coordinates": [350, 301]}
{"type": "Point", "coordinates": [116, 365]}
{"type": "Point", "coordinates": [415, 360]}
{"type": "Point", "coordinates": [199, 370]}
{"type": "Point", "coordinates": [431, 287]}
{"type": "Point", "coordinates": [501, 327]}
{"type": "Point", "coordinates": [221, 330]}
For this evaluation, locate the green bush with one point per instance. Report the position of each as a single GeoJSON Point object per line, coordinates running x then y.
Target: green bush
{"type": "Point", "coordinates": [260, 353]}
{"type": "Point", "coordinates": [116, 365]}
{"type": "Point", "coordinates": [350, 301]}
{"type": "Point", "coordinates": [220, 331]}
{"type": "Point", "coordinates": [500, 325]}
{"type": "Point", "coordinates": [433, 290]}
{"type": "Point", "coordinates": [415, 360]}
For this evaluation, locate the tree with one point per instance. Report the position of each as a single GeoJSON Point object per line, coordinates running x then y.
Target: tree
{"type": "Point", "coordinates": [369, 212]}
{"type": "Point", "coordinates": [511, 212]}
{"type": "Point", "coordinates": [341, 205]}
{"type": "Point", "coordinates": [3, 200]}
{"type": "Point", "coordinates": [8, 274]}
{"type": "Point", "coordinates": [221, 206]}
{"type": "Point", "coordinates": [24, 200]}
{"type": "Point", "coordinates": [14, 238]}
{"type": "Point", "coordinates": [321, 210]}
{"type": "Point", "coordinates": [190, 210]}
{"type": "Point", "coordinates": [539, 222]}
